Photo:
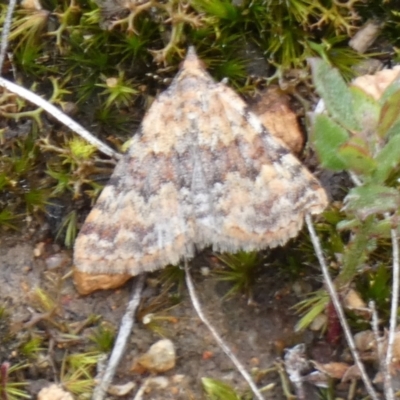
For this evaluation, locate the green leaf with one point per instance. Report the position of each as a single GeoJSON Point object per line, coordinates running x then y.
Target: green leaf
{"type": "Point", "coordinates": [387, 159]}
{"type": "Point", "coordinates": [372, 199]}
{"type": "Point", "coordinates": [375, 285]}
{"type": "Point", "coordinates": [348, 224]}
{"type": "Point", "coordinates": [356, 252]}
{"type": "Point", "coordinates": [390, 117]}
{"type": "Point", "coordinates": [390, 90]}
{"type": "Point", "coordinates": [382, 229]}
{"type": "Point", "coordinates": [366, 109]}
{"type": "Point", "coordinates": [223, 9]}
{"type": "Point", "coordinates": [217, 390]}
{"type": "Point", "coordinates": [356, 156]}
{"type": "Point", "coordinates": [6, 218]}
{"type": "Point", "coordinates": [328, 137]}
{"type": "Point", "coordinates": [335, 93]}
{"type": "Point", "coordinates": [317, 307]}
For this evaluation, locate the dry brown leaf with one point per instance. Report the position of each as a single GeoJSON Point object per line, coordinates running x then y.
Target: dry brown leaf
{"type": "Point", "coordinates": [273, 109]}
{"type": "Point", "coordinates": [353, 301]}
{"type": "Point", "coordinates": [376, 84]}
{"type": "Point", "coordinates": [352, 372]}
{"type": "Point", "coordinates": [334, 370]}
{"type": "Point", "coordinates": [396, 348]}
{"type": "Point", "coordinates": [365, 341]}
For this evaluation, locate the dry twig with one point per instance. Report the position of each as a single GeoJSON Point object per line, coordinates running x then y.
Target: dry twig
{"type": "Point", "coordinates": [6, 31]}
{"type": "Point", "coordinates": [339, 309]}
{"type": "Point", "coordinates": [121, 341]}
{"type": "Point", "coordinates": [59, 115]}
{"type": "Point", "coordinates": [393, 316]}
{"type": "Point", "coordinates": [217, 337]}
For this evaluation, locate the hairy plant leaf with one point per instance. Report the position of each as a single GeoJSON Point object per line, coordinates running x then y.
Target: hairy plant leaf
{"type": "Point", "coordinates": [356, 156]}
{"type": "Point", "coordinates": [371, 199]}
{"type": "Point", "coordinates": [366, 110]}
{"type": "Point", "coordinates": [335, 93]}
{"type": "Point", "coordinates": [390, 90]}
{"type": "Point", "coordinates": [387, 159]}
{"type": "Point", "coordinates": [348, 224]}
{"type": "Point", "coordinates": [356, 252]}
{"type": "Point", "coordinates": [390, 117]}
{"type": "Point", "coordinates": [382, 229]}
{"type": "Point", "coordinates": [328, 137]}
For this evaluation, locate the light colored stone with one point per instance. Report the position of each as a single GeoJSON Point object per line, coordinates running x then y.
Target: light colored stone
{"type": "Point", "coordinates": [161, 357]}
{"type": "Point", "coordinates": [54, 392]}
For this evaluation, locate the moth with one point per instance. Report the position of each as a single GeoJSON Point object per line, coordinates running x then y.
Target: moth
{"type": "Point", "coordinates": [201, 171]}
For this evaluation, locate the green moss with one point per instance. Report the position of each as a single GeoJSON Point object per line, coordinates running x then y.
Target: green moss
{"type": "Point", "coordinates": [240, 272]}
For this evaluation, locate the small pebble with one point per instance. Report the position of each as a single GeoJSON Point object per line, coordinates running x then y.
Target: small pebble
{"type": "Point", "coordinates": [318, 322]}
{"type": "Point", "coordinates": [161, 357]}
{"type": "Point", "coordinates": [39, 249]}
{"type": "Point", "coordinates": [121, 390]}
{"type": "Point", "coordinates": [56, 261]}
{"type": "Point", "coordinates": [54, 392]}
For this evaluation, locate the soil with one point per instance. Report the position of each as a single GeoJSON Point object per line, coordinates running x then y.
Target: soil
{"type": "Point", "coordinates": [256, 332]}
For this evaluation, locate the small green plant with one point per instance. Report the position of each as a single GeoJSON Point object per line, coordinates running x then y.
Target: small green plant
{"type": "Point", "coordinates": [173, 276]}
{"type": "Point", "coordinates": [44, 301]}
{"type": "Point", "coordinates": [118, 91]}
{"type": "Point", "coordinates": [374, 284]}
{"type": "Point", "coordinates": [77, 372]}
{"type": "Point", "coordinates": [241, 271]}
{"type": "Point", "coordinates": [27, 28]}
{"type": "Point", "coordinates": [32, 347]}
{"type": "Point", "coordinates": [311, 307]}
{"type": "Point", "coordinates": [154, 314]}
{"type": "Point", "coordinates": [361, 134]}
{"type": "Point", "coordinates": [69, 225]}
{"type": "Point", "coordinates": [6, 218]}
{"type": "Point", "coordinates": [9, 389]}
{"type": "Point", "coordinates": [103, 338]}
{"type": "Point", "coordinates": [217, 390]}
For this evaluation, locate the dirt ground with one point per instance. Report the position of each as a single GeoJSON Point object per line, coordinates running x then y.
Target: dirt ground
{"type": "Point", "coordinates": [256, 332]}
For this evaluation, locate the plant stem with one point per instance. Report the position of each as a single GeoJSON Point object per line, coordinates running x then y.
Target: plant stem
{"type": "Point", "coordinates": [217, 337]}
{"type": "Point", "coordinates": [125, 330]}
{"type": "Point", "coordinates": [393, 315]}
{"type": "Point", "coordinates": [6, 31]}
{"type": "Point", "coordinates": [339, 309]}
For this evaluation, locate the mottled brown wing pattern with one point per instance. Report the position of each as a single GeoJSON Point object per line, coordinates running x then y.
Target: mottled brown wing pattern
{"type": "Point", "coordinates": [201, 171]}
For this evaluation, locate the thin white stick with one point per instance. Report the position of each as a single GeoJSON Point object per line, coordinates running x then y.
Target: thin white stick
{"type": "Point", "coordinates": [393, 315]}
{"type": "Point", "coordinates": [125, 330]}
{"type": "Point", "coordinates": [356, 180]}
{"type": "Point", "coordinates": [378, 337]}
{"type": "Point", "coordinates": [384, 366]}
{"type": "Point", "coordinates": [6, 31]}
{"type": "Point", "coordinates": [220, 341]}
{"type": "Point", "coordinates": [336, 302]}
{"type": "Point", "coordinates": [386, 362]}
{"type": "Point", "coordinates": [59, 115]}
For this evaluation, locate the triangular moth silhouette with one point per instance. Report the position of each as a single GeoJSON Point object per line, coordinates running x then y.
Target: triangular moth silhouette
{"type": "Point", "coordinates": [202, 170]}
